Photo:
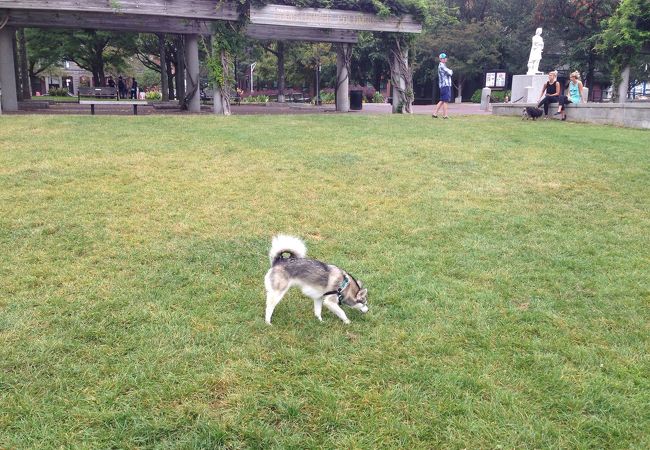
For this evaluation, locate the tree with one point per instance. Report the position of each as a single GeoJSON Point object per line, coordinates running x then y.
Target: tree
{"type": "Point", "coordinates": [96, 51]}
{"type": "Point", "coordinates": [278, 50]}
{"type": "Point", "coordinates": [625, 36]}
{"type": "Point", "coordinates": [472, 48]}
{"type": "Point", "coordinates": [23, 65]}
{"type": "Point", "coordinates": [44, 50]}
{"type": "Point", "coordinates": [158, 52]}
{"type": "Point", "coordinates": [369, 61]}
{"type": "Point", "coordinates": [578, 24]}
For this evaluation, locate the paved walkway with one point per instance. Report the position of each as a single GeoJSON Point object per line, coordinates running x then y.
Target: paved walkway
{"type": "Point", "coordinates": [244, 109]}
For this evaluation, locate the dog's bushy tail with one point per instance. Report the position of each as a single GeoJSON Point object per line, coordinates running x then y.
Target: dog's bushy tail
{"type": "Point", "coordinates": [283, 243]}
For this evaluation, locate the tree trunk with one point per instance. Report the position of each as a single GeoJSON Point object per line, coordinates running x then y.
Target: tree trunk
{"type": "Point", "coordinates": [170, 79]}
{"type": "Point", "coordinates": [164, 81]}
{"type": "Point", "coordinates": [99, 78]}
{"type": "Point", "coordinates": [24, 65]}
{"type": "Point", "coordinates": [459, 87]}
{"type": "Point", "coordinates": [589, 81]}
{"type": "Point", "coordinates": [180, 72]}
{"type": "Point", "coordinates": [624, 86]}
{"type": "Point", "coordinates": [221, 100]}
{"type": "Point", "coordinates": [341, 91]}
{"type": "Point", "coordinates": [281, 72]}
{"type": "Point", "coordinates": [19, 90]}
{"type": "Point", "coordinates": [401, 78]}
{"type": "Point", "coordinates": [376, 82]}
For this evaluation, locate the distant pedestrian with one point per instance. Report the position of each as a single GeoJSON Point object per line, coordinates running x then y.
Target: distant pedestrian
{"type": "Point", "coordinates": [121, 86]}
{"type": "Point", "coordinates": [444, 83]}
{"type": "Point", "coordinates": [111, 82]}
{"type": "Point", "coordinates": [134, 89]}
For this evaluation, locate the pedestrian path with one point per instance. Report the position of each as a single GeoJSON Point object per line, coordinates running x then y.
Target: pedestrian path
{"type": "Point", "coordinates": [455, 109]}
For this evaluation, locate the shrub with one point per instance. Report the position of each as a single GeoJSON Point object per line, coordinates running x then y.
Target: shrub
{"type": "Point", "coordinates": [153, 95]}
{"type": "Point", "coordinates": [327, 97]}
{"type": "Point", "coordinates": [378, 98]}
{"type": "Point", "coordinates": [59, 92]}
{"type": "Point", "coordinates": [256, 99]}
{"type": "Point", "coordinates": [495, 96]}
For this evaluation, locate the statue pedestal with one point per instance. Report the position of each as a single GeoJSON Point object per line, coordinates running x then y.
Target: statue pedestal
{"type": "Point", "coordinates": [526, 88]}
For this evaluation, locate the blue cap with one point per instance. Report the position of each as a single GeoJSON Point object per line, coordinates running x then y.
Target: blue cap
{"type": "Point", "coordinates": [442, 56]}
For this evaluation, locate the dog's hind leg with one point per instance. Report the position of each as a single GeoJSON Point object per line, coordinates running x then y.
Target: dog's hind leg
{"type": "Point", "coordinates": [336, 309]}
{"type": "Point", "coordinates": [272, 300]}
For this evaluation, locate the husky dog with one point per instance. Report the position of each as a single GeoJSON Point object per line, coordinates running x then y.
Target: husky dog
{"type": "Point", "coordinates": [326, 284]}
{"type": "Point", "coordinates": [531, 112]}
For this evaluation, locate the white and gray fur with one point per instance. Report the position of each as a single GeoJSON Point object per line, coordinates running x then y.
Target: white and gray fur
{"type": "Point", "coordinates": [313, 277]}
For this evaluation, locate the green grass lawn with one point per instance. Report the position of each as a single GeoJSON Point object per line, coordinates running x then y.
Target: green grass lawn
{"type": "Point", "coordinates": [507, 265]}
{"type": "Point", "coordinates": [52, 98]}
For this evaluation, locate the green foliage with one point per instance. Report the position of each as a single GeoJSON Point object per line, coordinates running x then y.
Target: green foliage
{"type": "Point", "coordinates": [626, 32]}
{"type": "Point", "coordinates": [149, 78]}
{"type": "Point", "coordinates": [417, 8]}
{"type": "Point", "coordinates": [97, 51]}
{"type": "Point", "coordinates": [256, 99]}
{"type": "Point", "coordinates": [495, 96]}
{"type": "Point", "coordinates": [58, 92]}
{"type": "Point", "coordinates": [378, 98]}
{"type": "Point", "coordinates": [326, 98]}
{"type": "Point", "coordinates": [153, 95]}
{"type": "Point", "coordinates": [215, 71]}
{"type": "Point", "coordinates": [44, 49]}
{"type": "Point", "coordinates": [471, 47]}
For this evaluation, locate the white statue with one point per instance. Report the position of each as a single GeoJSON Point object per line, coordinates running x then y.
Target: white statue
{"type": "Point", "coordinates": [535, 53]}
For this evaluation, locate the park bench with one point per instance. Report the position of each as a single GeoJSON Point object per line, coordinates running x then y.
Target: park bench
{"type": "Point", "coordinates": [135, 104]}
{"type": "Point", "coordinates": [298, 98]}
{"type": "Point", "coordinates": [98, 92]}
{"type": "Point", "coordinates": [105, 96]}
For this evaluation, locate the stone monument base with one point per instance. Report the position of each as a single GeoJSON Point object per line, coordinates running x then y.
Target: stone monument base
{"type": "Point", "coordinates": [526, 88]}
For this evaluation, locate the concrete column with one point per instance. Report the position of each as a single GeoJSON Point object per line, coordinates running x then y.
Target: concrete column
{"type": "Point", "coordinates": [192, 70]}
{"type": "Point", "coordinates": [486, 92]}
{"type": "Point", "coordinates": [7, 70]}
{"type": "Point", "coordinates": [342, 77]}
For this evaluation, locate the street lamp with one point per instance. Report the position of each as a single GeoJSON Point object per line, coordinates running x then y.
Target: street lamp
{"type": "Point", "coordinates": [252, 68]}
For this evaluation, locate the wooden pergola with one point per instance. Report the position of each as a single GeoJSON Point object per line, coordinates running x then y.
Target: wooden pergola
{"type": "Point", "coordinates": [190, 18]}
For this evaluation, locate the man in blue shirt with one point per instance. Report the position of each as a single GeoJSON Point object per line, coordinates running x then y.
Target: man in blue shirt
{"type": "Point", "coordinates": [444, 83]}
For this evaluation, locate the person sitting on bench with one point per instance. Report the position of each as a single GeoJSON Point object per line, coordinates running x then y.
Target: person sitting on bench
{"type": "Point", "coordinates": [550, 92]}
{"type": "Point", "coordinates": [575, 94]}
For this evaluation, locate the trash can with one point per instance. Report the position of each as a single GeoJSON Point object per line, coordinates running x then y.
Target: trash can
{"type": "Point", "coordinates": [356, 100]}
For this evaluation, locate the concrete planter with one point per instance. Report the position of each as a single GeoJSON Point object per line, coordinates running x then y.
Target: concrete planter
{"type": "Point", "coordinates": [631, 115]}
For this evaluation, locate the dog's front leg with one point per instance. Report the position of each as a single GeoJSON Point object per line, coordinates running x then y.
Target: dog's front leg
{"type": "Point", "coordinates": [336, 309]}
{"type": "Point", "coordinates": [318, 307]}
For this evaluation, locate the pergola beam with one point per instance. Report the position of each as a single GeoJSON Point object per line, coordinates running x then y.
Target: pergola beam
{"type": "Point", "coordinates": [280, 33]}
{"type": "Point", "coordinates": [102, 21]}
{"type": "Point", "coordinates": [172, 25]}
{"type": "Point", "coordinates": [208, 10]}
{"type": "Point", "coordinates": [191, 9]}
{"type": "Point", "coordinates": [291, 16]}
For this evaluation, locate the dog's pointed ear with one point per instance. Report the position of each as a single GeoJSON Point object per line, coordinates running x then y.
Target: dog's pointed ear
{"type": "Point", "coordinates": [363, 293]}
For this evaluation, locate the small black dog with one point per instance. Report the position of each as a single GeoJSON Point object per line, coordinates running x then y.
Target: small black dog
{"type": "Point", "coordinates": [531, 112]}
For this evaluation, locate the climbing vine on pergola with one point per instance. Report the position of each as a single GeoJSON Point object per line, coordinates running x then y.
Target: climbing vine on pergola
{"type": "Point", "coordinates": [398, 44]}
